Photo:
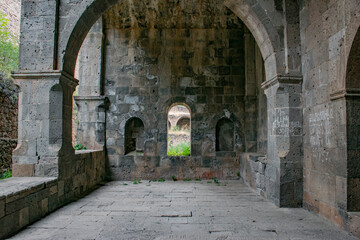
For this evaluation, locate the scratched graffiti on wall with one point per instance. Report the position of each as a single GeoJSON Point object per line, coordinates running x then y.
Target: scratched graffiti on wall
{"type": "Point", "coordinates": [320, 131]}
{"type": "Point", "coordinates": [282, 126]}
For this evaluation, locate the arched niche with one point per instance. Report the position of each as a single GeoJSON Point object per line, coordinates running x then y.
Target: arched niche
{"type": "Point", "coordinates": [134, 137]}
{"type": "Point", "coordinates": [225, 135]}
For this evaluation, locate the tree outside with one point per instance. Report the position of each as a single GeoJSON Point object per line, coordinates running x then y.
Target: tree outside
{"type": "Point", "coordinates": [9, 48]}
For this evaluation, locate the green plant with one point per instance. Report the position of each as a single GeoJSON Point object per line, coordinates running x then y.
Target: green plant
{"type": "Point", "coordinates": [238, 174]}
{"type": "Point", "coordinates": [137, 181]}
{"type": "Point", "coordinates": [215, 180]}
{"type": "Point", "coordinates": [176, 128]}
{"type": "Point", "coordinates": [7, 174]}
{"type": "Point", "coordinates": [209, 182]}
{"type": "Point", "coordinates": [9, 48]}
{"type": "Point", "coordinates": [79, 146]}
{"type": "Point", "coordinates": [187, 179]}
{"type": "Point", "coordinates": [182, 149]}
{"type": "Point", "coordinates": [125, 184]}
{"type": "Point", "coordinates": [198, 180]}
{"type": "Point", "coordinates": [174, 178]}
{"type": "Point", "coordinates": [159, 180]}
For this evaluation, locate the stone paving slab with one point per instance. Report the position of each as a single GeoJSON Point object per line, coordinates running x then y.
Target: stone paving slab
{"type": "Point", "coordinates": [179, 210]}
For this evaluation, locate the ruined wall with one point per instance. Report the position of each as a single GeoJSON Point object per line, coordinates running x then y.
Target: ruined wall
{"type": "Point", "coordinates": [8, 122]}
{"type": "Point", "coordinates": [327, 32]}
{"type": "Point", "coordinates": [174, 53]}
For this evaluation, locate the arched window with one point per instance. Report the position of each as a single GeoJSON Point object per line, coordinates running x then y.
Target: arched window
{"type": "Point", "coordinates": [179, 135]}
{"type": "Point", "coordinates": [225, 135]}
{"type": "Point", "coordinates": [183, 123]}
{"type": "Point", "coordinates": [134, 137]}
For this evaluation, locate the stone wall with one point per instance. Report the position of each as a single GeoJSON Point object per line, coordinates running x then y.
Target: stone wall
{"type": "Point", "coordinates": [253, 167]}
{"type": "Point", "coordinates": [8, 122]}
{"type": "Point", "coordinates": [153, 63]}
{"type": "Point", "coordinates": [327, 32]}
{"type": "Point", "coordinates": [26, 200]}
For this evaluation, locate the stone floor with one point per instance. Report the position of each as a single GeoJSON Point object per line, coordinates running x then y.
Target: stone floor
{"type": "Point", "coordinates": [179, 210]}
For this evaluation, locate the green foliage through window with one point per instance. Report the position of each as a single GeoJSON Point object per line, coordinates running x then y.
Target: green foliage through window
{"type": "Point", "coordinates": [182, 149]}
{"type": "Point", "coordinates": [9, 48]}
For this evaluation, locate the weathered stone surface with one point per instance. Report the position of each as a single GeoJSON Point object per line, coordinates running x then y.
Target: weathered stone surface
{"type": "Point", "coordinates": [156, 53]}
{"type": "Point", "coordinates": [179, 210]}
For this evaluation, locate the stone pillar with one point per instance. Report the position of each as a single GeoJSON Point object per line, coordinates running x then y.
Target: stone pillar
{"type": "Point", "coordinates": [284, 171]}
{"type": "Point", "coordinates": [91, 117]}
{"type": "Point", "coordinates": [91, 104]}
{"type": "Point", "coordinates": [45, 108]}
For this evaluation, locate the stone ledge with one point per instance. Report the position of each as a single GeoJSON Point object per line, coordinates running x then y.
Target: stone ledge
{"type": "Point", "coordinates": [19, 187]}
{"type": "Point", "coordinates": [24, 200]}
{"type": "Point", "coordinates": [80, 152]}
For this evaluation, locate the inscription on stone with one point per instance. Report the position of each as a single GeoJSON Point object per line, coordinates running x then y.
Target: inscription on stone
{"type": "Point", "coordinates": [320, 132]}
{"type": "Point", "coordinates": [282, 126]}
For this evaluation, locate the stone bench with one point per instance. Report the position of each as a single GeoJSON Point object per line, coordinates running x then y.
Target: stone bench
{"type": "Point", "coordinates": [25, 200]}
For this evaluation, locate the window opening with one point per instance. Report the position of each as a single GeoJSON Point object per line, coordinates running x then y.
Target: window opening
{"type": "Point", "coordinates": [179, 133]}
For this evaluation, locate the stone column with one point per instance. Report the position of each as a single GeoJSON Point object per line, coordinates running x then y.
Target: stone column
{"type": "Point", "coordinates": [284, 171]}
{"type": "Point", "coordinates": [45, 108]}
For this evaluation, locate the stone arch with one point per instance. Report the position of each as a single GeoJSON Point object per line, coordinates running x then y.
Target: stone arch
{"type": "Point", "coordinates": [353, 64]}
{"type": "Point", "coordinates": [262, 29]}
{"type": "Point", "coordinates": [183, 122]}
{"type": "Point", "coordinates": [129, 116]}
{"type": "Point", "coordinates": [264, 32]}
{"type": "Point", "coordinates": [178, 101]}
{"type": "Point", "coordinates": [352, 96]}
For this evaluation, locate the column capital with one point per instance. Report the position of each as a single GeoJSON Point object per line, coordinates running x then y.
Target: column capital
{"type": "Point", "coordinates": [28, 75]}
{"type": "Point", "coordinates": [345, 93]}
{"type": "Point", "coordinates": [282, 79]}
{"type": "Point", "coordinates": [90, 98]}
